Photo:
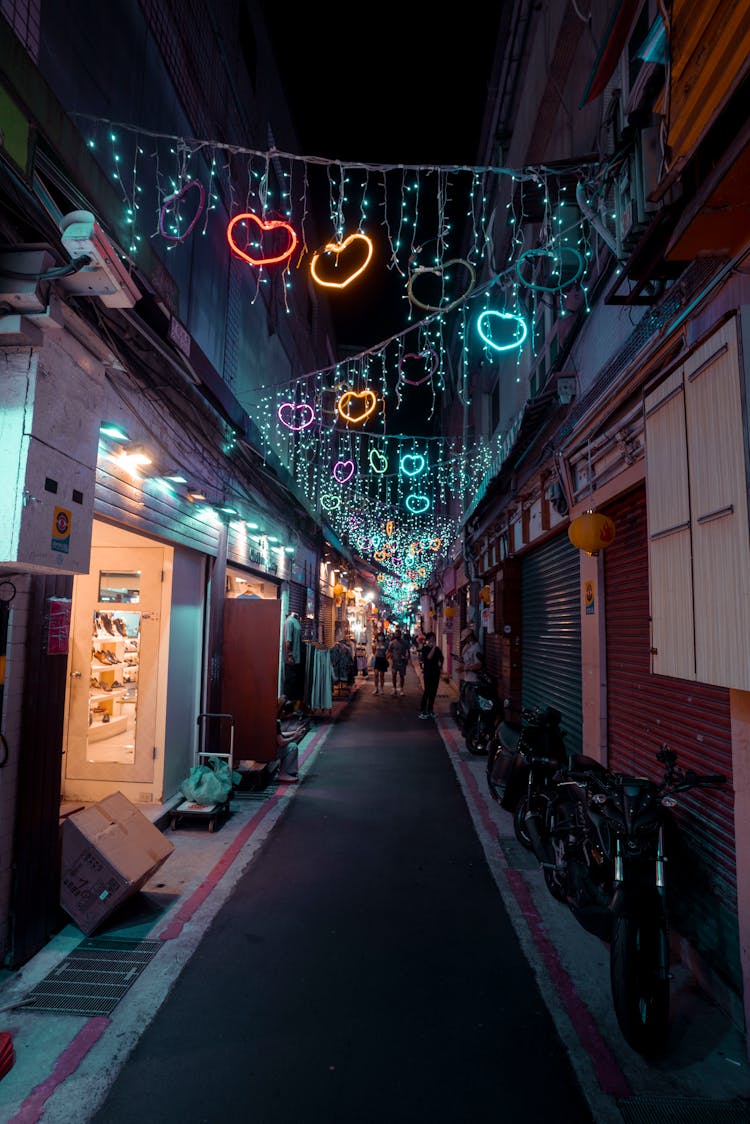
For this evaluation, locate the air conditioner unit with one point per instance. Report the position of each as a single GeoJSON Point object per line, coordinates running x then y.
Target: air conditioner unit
{"type": "Point", "coordinates": [553, 491]}
{"type": "Point", "coordinates": [106, 276]}
{"type": "Point", "coordinates": [636, 183]}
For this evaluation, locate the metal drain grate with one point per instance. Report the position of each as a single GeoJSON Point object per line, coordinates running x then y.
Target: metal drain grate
{"type": "Point", "coordinates": [94, 978]}
{"type": "Point", "coordinates": [678, 1110]}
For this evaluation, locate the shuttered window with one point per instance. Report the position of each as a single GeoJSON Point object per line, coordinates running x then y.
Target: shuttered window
{"type": "Point", "coordinates": [699, 553]}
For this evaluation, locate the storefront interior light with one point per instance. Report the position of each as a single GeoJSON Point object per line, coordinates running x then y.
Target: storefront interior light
{"type": "Point", "coordinates": [113, 430]}
{"type": "Point", "coordinates": [176, 479]}
{"type": "Point", "coordinates": [253, 526]}
{"type": "Point", "coordinates": [195, 495]}
{"type": "Point", "coordinates": [227, 510]}
{"type": "Point", "coordinates": [272, 538]}
{"type": "Point", "coordinates": [290, 549]}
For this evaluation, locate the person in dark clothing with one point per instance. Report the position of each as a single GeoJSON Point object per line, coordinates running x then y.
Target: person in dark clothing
{"type": "Point", "coordinates": [432, 665]}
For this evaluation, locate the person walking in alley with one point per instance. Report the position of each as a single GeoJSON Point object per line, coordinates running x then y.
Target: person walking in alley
{"type": "Point", "coordinates": [398, 657]}
{"type": "Point", "coordinates": [432, 664]}
{"type": "Point", "coordinates": [380, 664]}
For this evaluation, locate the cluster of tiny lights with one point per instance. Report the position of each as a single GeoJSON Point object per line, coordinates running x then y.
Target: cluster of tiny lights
{"type": "Point", "coordinates": [332, 426]}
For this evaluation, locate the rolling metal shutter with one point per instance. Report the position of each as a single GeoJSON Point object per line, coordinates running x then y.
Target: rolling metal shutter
{"type": "Point", "coordinates": [644, 711]}
{"type": "Point", "coordinates": [551, 633]}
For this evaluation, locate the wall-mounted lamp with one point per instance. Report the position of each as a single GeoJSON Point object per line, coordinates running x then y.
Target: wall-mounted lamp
{"type": "Point", "coordinates": [131, 462]}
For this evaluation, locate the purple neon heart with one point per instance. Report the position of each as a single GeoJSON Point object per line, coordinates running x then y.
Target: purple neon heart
{"type": "Point", "coordinates": [343, 471]}
{"type": "Point", "coordinates": [173, 201]}
{"type": "Point", "coordinates": [428, 354]}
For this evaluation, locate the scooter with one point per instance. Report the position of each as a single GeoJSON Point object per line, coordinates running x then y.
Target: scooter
{"type": "Point", "coordinates": [523, 761]}
{"type": "Point", "coordinates": [477, 713]}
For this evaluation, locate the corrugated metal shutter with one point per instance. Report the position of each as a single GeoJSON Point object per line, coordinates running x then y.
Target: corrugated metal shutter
{"type": "Point", "coordinates": [551, 633]}
{"type": "Point", "coordinates": [297, 599]}
{"type": "Point", "coordinates": [493, 655]}
{"type": "Point", "coordinates": [645, 711]}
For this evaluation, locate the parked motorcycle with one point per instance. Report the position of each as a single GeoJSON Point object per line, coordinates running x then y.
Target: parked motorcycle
{"type": "Point", "coordinates": [601, 843]}
{"type": "Point", "coordinates": [522, 763]}
{"type": "Point", "coordinates": [477, 713]}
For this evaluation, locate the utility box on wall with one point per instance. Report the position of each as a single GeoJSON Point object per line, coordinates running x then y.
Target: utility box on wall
{"type": "Point", "coordinates": [49, 434]}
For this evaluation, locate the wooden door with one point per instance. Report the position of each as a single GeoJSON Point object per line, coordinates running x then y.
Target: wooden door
{"type": "Point", "coordinates": [250, 674]}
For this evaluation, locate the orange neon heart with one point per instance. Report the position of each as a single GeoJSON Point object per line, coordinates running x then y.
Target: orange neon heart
{"type": "Point", "coordinates": [368, 397]}
{"type": "Point", "coordinates": [264, 225]}
{"type": "Point", "coordinates": [338, 248]}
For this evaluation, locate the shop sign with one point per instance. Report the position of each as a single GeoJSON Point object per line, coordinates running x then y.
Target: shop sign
{"type": "Point", "coordinates": [61, 521]}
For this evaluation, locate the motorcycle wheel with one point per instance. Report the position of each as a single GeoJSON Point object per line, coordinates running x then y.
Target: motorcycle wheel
{"type": "Point", "coordinates": [639, 976]}
{"type": "Point", "coordinates": [554, 885]}
{"type": "Point", "coordinates": [478, 740]}
{"type": "Point", "coordinates": [519, 823]}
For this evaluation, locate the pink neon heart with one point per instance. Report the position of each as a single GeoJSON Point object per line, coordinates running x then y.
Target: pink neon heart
{"type": "Point", "coordinates": [343, 471]}
{"type": "Point", "coordinates": [428, 354]}
{"type": "Point", "coordinates": [296, 417]}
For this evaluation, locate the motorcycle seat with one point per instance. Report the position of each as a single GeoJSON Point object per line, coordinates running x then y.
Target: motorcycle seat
{"type": "Point", "coordinates": [510, 734]}
{"type": "Point", "coordinates": [580, 763]}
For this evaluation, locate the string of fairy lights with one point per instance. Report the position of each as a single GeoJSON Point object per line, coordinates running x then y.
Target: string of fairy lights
{"type": "Point", "coordinates": [289, 219]}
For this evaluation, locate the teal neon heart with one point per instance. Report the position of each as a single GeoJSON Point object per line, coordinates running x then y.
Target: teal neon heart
{"type": "Point", "coordinates": [485, 329]}
{"type": "Point", "coordinates": [330, 502]}
{"type": "Point", "coordinates": [412, 464]}
{"type": "Point", "coordinates": [417, 504]}
{"type": "Point", "coordinates": [378, 462]}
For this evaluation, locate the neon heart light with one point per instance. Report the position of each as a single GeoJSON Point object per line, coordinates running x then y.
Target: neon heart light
{"type": "Point", "coordinates": [368, 400]}
{"type": "Point", "coordinates": [379, 556]}
{"type": "Point", "coordinates": [438, 272]}
{"type": "Point", "coordinates": [528, 254]}
{"type": "Point", "coordinates": [389, 528]}
{"type": "Point", "coordinates": [417, 504]}
{"type": "Point", "coordinates": [378, 462]}
{"type": "Point", "coordinates": [296, 417]}
{"type": "Point", "coordinates": [428, 354]}
{"type": "Point", "coordinates": [337, 248]}
{"type": "Point", "coordinates": [173, 201]}
{"type": "Point", "coordinates": [484, 327]}
{"type": "Point", "coordinates": [330, 502]}
{"type": "Point", "coordinates": [412, 464]}
{"type": "Point", "coordinates": [343, 471]}
{"type": "Point", "coordinates": [264, 226]}
{"type": "Point", "coordinates": [435, 544]}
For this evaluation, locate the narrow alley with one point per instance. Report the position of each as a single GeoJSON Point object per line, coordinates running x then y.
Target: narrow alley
{"type": "Point", "coordinates": [369, 945]}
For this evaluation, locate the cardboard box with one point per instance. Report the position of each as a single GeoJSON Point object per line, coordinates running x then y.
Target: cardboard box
{"type": "Point", "coordinates": [109, 851]}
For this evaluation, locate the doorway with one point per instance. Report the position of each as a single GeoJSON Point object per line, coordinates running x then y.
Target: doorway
{"type": "Point", "coordinates": [116, 699]}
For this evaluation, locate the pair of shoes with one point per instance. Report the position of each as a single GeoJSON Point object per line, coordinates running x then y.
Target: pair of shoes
{"type": "Point", "coordinates": [288, 780]}
{"type": "Point", "coordinates": [430, 714]}
{"type": "Point", "coordinates": [376, 691]}
{"type": "Point", "coordinates": [394, 691]}
{"type": "Point", "coordinates": [422, 715]}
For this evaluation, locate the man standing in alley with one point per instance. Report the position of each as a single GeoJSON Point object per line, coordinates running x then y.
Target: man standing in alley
{"type": "Point", "coordinates": [398, 657]}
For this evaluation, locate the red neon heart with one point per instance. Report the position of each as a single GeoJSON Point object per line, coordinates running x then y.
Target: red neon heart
{"type": "Point", "coordinates": [264, 225]}
{"type": "Point", "coordinates": [435, 363]}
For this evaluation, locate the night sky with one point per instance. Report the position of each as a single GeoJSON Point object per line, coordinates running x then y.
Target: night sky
{"type": "Point", "coordinates": [386, 84]}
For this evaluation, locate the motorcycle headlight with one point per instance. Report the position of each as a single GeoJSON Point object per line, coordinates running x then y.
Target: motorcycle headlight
{"type": "Point", "coordinates": [484, 704]}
